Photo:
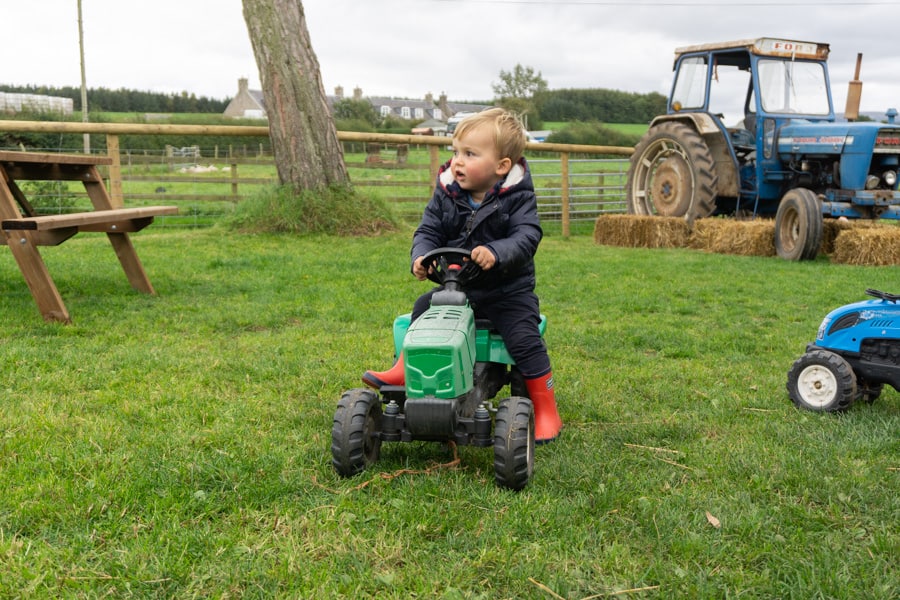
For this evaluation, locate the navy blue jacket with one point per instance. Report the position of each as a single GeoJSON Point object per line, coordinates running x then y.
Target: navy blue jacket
{"type": "Point", "coordinates": [506, 222]}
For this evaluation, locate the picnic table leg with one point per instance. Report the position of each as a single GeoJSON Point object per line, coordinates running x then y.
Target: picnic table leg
{"type": "Point", "coordinates": [125, 251]}
{"type": "Point", "coordinates": [24, 250]}
{"type": "Point", "coordinates": [131, 264]}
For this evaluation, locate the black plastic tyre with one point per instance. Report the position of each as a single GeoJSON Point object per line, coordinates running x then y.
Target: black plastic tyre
{"type": "Point", "coordinates": [799, 225]}
{"type": "Point", "coordinates": [672, 174]}
{"type": "Point", "coordinates": [355, 440]}
{"type": "Point", "coordinates": [822, 381]}
{"type": "Point", "coordinates": [514, 443]}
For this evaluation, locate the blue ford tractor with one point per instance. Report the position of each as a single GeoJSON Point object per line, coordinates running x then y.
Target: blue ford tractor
{"type": "Point", "coordinates": [750, 130]}
{"type": "Point", "coordinates": [856, 352]}
{"type": "Point", "coordinates": [454, 366]}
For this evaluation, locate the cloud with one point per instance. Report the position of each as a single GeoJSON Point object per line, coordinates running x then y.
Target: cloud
{"type": "Point", "coordinates": [408, 48]}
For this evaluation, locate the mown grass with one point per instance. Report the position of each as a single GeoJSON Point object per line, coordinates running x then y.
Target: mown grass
{"type": "Point", "coordinates": [178, 446]}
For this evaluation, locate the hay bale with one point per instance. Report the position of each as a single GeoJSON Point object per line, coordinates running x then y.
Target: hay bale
{"type": "Point", "coordinates": [641, 231]}
{"type": "Point", "coordinates": [868, 245]}
{"type": "Point", "coordinates": [727, 236]}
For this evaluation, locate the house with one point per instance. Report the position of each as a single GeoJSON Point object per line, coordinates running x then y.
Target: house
{"type": "Point", "coordinates": [250, 104]}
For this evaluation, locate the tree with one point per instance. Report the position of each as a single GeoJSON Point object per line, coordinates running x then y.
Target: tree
{"type": "Point", "coordinates": [307, 152]}
{"type": "Point", "coordinates": [517, 89]}
{"type": "Point", "coordinates": [521, 82]}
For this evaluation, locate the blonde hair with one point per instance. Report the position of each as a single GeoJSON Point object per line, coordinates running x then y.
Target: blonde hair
{"type": "Point", "coordinates": [509, 133]}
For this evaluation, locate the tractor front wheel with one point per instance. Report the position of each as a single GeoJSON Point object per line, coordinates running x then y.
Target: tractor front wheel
{"type": "Point", "coordinates": [672, 174]}
{"type": "Point", "coordinates": [355, 433]}
{"type": "Point", "coordinates": [798, 225]}
{"type": "Point", "coordinates": [514, 443]}
{"type": "Point", "coordinates": [822, 381]}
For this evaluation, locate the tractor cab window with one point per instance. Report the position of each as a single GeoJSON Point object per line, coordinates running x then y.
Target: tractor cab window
{"type": "Point", "coordinates": [793, 87]}
{"type": "Point", "coordinates": [690, 84]}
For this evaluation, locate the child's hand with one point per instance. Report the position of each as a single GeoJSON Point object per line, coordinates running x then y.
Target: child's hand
{"type": "Point", "coordinates": [483, 257]}
{"type": "Point", "coordinates": [418, 270]}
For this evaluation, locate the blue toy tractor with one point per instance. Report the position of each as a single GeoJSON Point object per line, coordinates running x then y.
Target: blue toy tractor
{"type": "Point", "coordinates": [856, 352]}
{"type": "Point", "coordinates": [454, 366]}
{"type": "Point", "coordinates": [751, 130]}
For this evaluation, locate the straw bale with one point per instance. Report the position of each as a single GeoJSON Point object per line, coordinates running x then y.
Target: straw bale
{"type": "Point", "coordinates": [727, 236]}
{"type": "Point", "coordinates": [868, 245]}
{"type": "Point", "coordinates": [641, 231]}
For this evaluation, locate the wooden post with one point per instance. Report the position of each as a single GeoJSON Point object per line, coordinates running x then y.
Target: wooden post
{"type": "Point", "coordinates": [434, 162]}
{"type": "Point", "coordinates": [564, 173]}
{"type": "Point", "coordinates": [116, 196]}
{"type": "Point", "coordinates": [234, 181]}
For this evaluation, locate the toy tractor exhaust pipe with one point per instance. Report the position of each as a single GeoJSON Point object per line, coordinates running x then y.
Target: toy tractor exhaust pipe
{"type": "Point", "coordinates": [854, 93]}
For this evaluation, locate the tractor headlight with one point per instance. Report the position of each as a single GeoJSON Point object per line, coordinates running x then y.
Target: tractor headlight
{"type": "Point", "coordinates": [872, 182]}
{"type": "Point", "coordinates": [890, 178]}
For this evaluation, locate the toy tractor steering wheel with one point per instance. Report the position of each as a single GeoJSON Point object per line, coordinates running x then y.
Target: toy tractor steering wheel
{"type": "Point", "coordinates": [451, 265]}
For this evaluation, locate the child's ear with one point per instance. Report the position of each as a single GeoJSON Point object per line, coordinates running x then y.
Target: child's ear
{"type": "Point", "coordinates": [504, 166]}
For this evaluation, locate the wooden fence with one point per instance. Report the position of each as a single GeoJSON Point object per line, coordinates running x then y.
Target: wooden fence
{"type": "Point", "coordinates": [574, 183]}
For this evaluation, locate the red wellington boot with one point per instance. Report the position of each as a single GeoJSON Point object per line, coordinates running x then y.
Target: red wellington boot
{"type": "Point", "coordinates": [547, 423]}
{"type": "Point", "coordinates": [393, 376]}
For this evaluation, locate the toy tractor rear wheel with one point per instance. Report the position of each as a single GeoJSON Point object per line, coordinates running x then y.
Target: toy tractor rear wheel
{"type": "Point", "coordinates": [822, 381]}
{"type": "Point", "coordinates": [798, 225]}
{"type": "Point", "coordinates": [514, 442]}
{"type": "Point", "coordinates": [672, 174]}
{"type": "Point", "coordinates": [355, 439]}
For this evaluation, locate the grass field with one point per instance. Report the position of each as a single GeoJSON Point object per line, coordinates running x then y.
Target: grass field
{"type": "Point", "coordinates": [178, 446]}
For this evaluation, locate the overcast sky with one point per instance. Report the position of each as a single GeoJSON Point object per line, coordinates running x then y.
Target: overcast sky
{"type": "Point", "coordinates": [407, 48]}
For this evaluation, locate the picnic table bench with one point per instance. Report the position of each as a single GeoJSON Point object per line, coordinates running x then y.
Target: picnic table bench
{"type": "Point", "coordinates": [22, 230]}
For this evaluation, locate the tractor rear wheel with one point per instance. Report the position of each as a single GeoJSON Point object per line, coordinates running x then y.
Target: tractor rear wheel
{"type": "Point", "coordinates": [672, 174]}
{"type": "Point", "coordinates": [798, 225]}
{"type": "Point", "coordinates": [355, 433]}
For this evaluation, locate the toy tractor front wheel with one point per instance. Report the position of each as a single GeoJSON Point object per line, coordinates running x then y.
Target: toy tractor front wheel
{"type": "Point", "coordinates": [514, 443]}
{"type": "Point", "coordinates": [822, 381]}
{"type": "Point", "coordinates": [672, 174]}
{"type": "Point", "coordinates": [355, 434]}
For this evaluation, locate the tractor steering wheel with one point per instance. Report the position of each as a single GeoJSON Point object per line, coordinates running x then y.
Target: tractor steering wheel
{"type": "Point", "coordinates": [451, 264]}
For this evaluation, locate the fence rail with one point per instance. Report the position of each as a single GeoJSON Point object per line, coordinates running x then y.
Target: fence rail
{"type": "Point", "coordinates": [574, 183]}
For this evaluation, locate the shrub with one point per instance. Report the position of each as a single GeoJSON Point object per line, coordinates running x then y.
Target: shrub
{"type": "Point", "coordinates": [592, 133]}
{"type": "Point", "coordinates": [333, 210]}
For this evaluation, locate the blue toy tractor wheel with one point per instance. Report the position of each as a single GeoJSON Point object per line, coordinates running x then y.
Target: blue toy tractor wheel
{"type": "Point", "coordinates": [822, 381]}
{"type": "Point", "coordinates": [355, 439]}
{"type": "Point", "coordinates": [514, 443]}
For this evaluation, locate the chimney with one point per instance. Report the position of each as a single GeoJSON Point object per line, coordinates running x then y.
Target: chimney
{"type": "Point", "coordinates": [429, 98]}
{"type": "Point", "coordinates": [357, 93]}
{"type": "Point", "coordinates": [339, 92]}
{"type": "Point", "coordinates": [242, 85]}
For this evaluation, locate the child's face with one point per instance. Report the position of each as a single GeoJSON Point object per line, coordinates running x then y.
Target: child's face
{"type": "Point", "coordinates": [475, 164]}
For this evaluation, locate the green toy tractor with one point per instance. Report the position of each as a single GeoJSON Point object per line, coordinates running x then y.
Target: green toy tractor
{"type": "Point", "coordinates": [454, 366]}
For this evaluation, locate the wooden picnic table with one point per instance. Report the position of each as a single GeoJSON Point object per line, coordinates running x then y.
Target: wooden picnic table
{"type": "Point", "coordinates": [22, 230]}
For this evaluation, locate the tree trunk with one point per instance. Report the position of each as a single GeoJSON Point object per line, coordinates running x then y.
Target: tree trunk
{"type": "Point", "coordinates": [304, 140]}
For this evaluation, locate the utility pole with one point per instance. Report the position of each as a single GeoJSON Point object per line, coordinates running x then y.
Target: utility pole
{"type": "Point", "coordinates": [84, 106]}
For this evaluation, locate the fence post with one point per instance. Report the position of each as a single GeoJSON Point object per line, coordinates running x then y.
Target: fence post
{"type": "Point", "coordinates": [234, 181]}
{"type": "Point", "coordinates": [564, 174]}
{"type": "Point", "coordinates": [116, 197]}
{"type": "Point", "coordinates": [435, 161]}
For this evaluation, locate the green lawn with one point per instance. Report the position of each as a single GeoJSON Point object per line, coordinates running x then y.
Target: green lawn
{"type": "Point", "coordinates": [178, 446]}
